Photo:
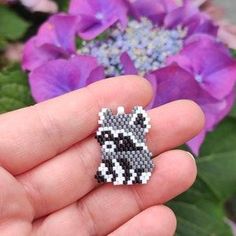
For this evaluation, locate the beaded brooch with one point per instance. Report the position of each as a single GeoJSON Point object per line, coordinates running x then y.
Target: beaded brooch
{"type": "Point", "coordinates": [125, 156]}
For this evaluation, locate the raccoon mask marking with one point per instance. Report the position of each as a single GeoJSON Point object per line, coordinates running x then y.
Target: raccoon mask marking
{"type": "Point", "coordinates": [125, 156]}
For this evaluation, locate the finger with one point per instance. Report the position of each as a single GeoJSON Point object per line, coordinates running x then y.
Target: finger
{"type": "Point", "coordinates": [108, 207]}
{"type": "Point", "coordinates": [16, 211]}
{"type": "Point", "coordinates": [77, 166]}
{"type": "Point", "coordinates": [33, 135]}
{"type": "Point", "coordinates": [156, 220]}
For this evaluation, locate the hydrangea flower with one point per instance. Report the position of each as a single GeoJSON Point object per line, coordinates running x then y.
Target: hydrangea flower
{"type": "Point", "coordinates": [174, 46]}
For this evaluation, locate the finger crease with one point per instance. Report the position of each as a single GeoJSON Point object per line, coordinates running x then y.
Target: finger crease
{"type": "Point", "coordinates": [87, 217]}
{"type": "Point", "coordinates": [49, 126]}
{"type": "Point", "coordinates": [138, 198]}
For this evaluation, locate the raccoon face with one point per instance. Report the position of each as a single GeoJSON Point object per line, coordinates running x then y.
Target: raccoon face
{"type": "Point", "coordinates": [118, 142]}
{"type": "Point", "coordinates": [122, 132]}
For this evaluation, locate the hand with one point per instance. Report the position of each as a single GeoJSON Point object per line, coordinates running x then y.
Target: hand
{"type": "Point", "coordinates": [49, 156]}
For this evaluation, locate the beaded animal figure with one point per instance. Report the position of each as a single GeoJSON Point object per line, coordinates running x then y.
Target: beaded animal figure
{"type": "Point", "coordinates": [125, 156]}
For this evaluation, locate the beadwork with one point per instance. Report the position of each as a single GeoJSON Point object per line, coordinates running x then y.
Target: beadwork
{"type": "Point", "coordinates": [125, 156]}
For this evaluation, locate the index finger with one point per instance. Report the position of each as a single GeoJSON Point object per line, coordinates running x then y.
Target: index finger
{"type": "Point", "coordinates": [33, 135]}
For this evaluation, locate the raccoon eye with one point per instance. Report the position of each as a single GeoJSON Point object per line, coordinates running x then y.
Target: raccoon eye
{"type": "Point", "coordinates": [109, 146]}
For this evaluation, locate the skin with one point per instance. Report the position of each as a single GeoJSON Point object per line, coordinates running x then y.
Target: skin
{"type": "Point", "coordinates": [48, 158]}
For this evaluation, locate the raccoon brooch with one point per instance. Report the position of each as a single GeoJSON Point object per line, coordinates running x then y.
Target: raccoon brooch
{"type": "Point", "coordinates": [126, 159]}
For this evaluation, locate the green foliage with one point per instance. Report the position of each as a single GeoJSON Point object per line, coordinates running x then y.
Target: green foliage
{"type": "Point", "coordinates": [233, 52]}
{"type": "Point", "coordinates": [12, 27]}
{"type": "Point", "coordinates": [200, 211]}
{"type": "Point", "coordinates": [14, 89]}
{"type": "Point", "coordinates": [79, 43]}
{"type": "Point", "coordinates": [3, 44]}
{"type": "Point", "coordinates": [233, 112]}
{"type": "Point", "coordinates": [62, 4]}
{"type": "Point", "coordinates": [103, 36]}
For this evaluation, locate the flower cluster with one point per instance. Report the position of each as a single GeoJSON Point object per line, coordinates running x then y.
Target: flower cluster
{"type": "Point", "coordinates": [173, 45]}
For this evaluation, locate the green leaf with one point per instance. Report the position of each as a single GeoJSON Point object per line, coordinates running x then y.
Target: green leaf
{"type": "Point", "coordinates": [63, 5]}
{"type": "Point", "coordinates": [3, 43]}
{"type": "Point", "coordinates": [223, 139]}
{"type": "Point", "coordinates": [219, 172]}
{"type": "Point", "coordinates": [103, 36]}
{"type": "Point", "coordinates": [233, 52]}
{"type": "Point", "coordinates": [12, 27]}
{"type": "Point", "coordinates": [233, 112]}
{"type": "Point", "coordinates": [200, 210]}
{"type": "Point", "coordinates": [14, 89]}
{"type": "Point", "coordinates": [199, 219]}
{"type": "Point", "coordinates": [79, 43]}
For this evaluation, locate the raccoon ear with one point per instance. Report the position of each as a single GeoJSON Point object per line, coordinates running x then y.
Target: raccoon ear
{"type": "Point", "coordinates": [140, 118]}
{"type": "Point", "coordinates": [104, 114]}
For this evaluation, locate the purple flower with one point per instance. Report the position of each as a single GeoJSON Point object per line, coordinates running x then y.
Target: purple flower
{"type": "Point", "coordinates": [213, 69]}
{"type": "Point", "coordinates": [96, 16]}
{"type": "Point", "coordinates": [190, 17]}
{"type": "Point", "coordinates": [55, 39]}
{"type": "Point", "coordinates": [173, 46]}
{"type": "Point", "coordinates": [167, 13]}
{"type": "Point", "coordinates": [210, 63]}
{"type": "Point", "coordinates": [173, 82]}
{"type": "Point", "coordinates": [156, 11]}
{"type": "Point", "coordinates": [61, 76]}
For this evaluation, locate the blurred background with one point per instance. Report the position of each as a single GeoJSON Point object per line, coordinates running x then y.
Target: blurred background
{"type": "Point", "coordinates": [230, 8]}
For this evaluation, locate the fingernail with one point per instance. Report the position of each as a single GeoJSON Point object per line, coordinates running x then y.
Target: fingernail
{"type": "Point", "coordinates": [191, 155]}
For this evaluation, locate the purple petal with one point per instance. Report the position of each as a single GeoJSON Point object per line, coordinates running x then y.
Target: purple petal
{"type": "Point", "coordinates": [214, 113]}
{"type": "Point", "coordinates": [128, 65]}
{"type": "Point", "coordinates": [34, 56]}
{"type": "Point", "coordinates": [55, 39]}
{"type": "Point", "coordinates": [211, 63]}
{"type": "Point", "coordinates": [98, 15]}
{"type": "Point", "coordinates": [190, 17]}
{"type": "Point", "coordinates": [196, 142]}
{"type": "Point", "coordinates": [152, 79]}
{"type": "Point", "coordinates": [173, 83]}
{"type": "Point", "coordinates": [206, 26]}
{"type": "Point", "coordinates": [96, 75]}
{"type": "Point", "coordinates": [60, 76]}
{"type": "Point", "coordinates": [60, 31]}
{"type": "Point", "coordinates": [154, 10]}
{"type": "Point", "coordinates": [221, 83]}
{"type": "Point", "coordinates": [181, 15]}
{"type": "Point", "coordinates": [209, 55]}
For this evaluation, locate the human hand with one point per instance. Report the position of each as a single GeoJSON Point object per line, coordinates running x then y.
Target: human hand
{"type": "Point", "coordinates": [49, 157]}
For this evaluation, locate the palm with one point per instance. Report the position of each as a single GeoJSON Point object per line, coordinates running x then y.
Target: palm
{"type": "Point", "coordinates": [49, 157]}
